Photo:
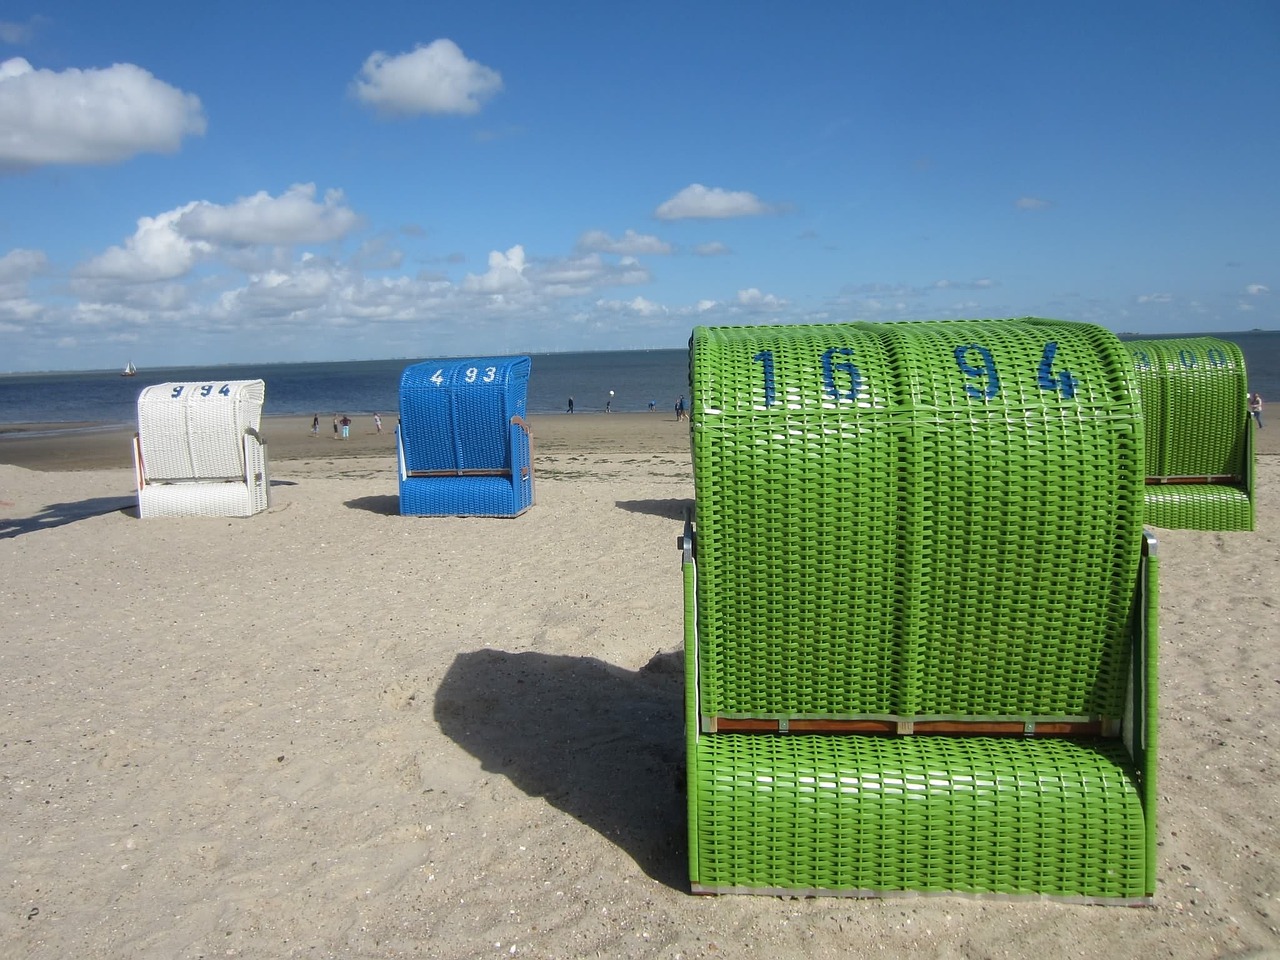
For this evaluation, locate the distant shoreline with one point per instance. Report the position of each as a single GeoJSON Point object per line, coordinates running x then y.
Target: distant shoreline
{"type": "Point", "coordinates": [101, 446]}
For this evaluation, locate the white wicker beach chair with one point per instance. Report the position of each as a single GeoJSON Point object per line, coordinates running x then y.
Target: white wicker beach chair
{"type": "Point", "coordinates": [198, 452]}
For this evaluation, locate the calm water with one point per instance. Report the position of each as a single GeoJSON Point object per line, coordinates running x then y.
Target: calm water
{"type": "Point", "coordinates": [354, 387]}
{"type": "Point", "coordinates": [366, 386]}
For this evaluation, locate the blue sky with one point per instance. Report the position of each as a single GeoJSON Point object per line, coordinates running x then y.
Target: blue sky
{"type": "Point", "coordinates": [234, 182]}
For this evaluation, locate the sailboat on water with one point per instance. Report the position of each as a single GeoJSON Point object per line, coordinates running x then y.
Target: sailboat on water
{"type": "Point", "coordinates": [129, 370]}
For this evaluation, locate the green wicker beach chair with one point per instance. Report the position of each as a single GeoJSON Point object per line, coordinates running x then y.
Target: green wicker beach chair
{"type": "Point", "coordinates": [1199, 448]}
{"type": "Point", "coordinates": [919, 613]}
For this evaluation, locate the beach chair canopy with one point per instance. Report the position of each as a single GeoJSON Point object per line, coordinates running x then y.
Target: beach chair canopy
{"type": "Point", "coordinates": [1199, 440]}
{"type": "Point", "coordinates": [198, 451]}
{"type": "Point", "coordinates": [463, 443]}
{"type": "Point", "coordinates": [915, 612]}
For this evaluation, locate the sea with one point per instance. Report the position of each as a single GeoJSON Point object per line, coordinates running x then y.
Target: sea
{"type": "Point", "coordinates": [627, 380]}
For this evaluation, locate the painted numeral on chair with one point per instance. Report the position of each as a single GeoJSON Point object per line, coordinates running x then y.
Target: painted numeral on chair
{"type": "Point", "coordinates": [985, 372]}
{"type": "Point", "coordinates": [847, 367]}
{"type": "Point", "coordinates": [765, 358]}
{"type": "Point", "coordinates": [1061, 382]}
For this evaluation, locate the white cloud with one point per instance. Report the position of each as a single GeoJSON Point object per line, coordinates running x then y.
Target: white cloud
{"type": "Point", "coordinates": [751, 297]}
{"type": "Point", "coordinates": [630, 243]}
{"type": "Point", "coordinates": [983, 283]}
{"type": "Point", "coordinates": [156, 251]}
{"type": "Point", "coordinates": [698, 202]}
{"type": "Point", "coordinates": [291, 218]}
{"type": "Point", "coordinates": [713, 249]}
{"type": "Point", "coordinates": [636, 305]}
{"type": "Point", "coordinates": [435, 79]}
{"type": "Point", "coordinates": [1257, 290]}
{"type": "Point", "coordinates": [1032, 203]}
{"type": "Point", "coordinates": [89, 116]}
{"type": "Point", "coordinates": [19, 266]}
{"type": "Point", "coordinates": [16, 33]}
{"type": "Point", "coordinates": [505, 274]}
{"type": "Point", "coordinates": [1155, 298]}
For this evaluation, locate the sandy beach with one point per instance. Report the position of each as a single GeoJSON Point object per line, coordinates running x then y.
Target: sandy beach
{"type": "Point", "coordinates": [331, 731]}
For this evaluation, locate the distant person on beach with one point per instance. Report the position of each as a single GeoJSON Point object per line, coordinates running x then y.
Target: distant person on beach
{"type": "Point", "coordinates": [570, 410]}
{"type": "Point", "coordinates": [377, 422]}
{"type": "Point", "coordinates": [680, 408]}
{"type": "Point", "coordinates": [346, 426]}
{"type": "Point", "coordinates": [1255, 407]}
{"type": "Point", "coordinates": [315, 425]}
{"type": "Point", "coordinates": [608, 406]}
{"type": "Point", "coordinates": [651, 406]}
{"type": "Point", "coordinates": [335, 426]}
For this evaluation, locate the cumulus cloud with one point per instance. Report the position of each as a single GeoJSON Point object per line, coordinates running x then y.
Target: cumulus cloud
{"type": "Point", "coordinates": [751, 297]}
{"type": "Point", "coordinates": [1032, 203]}
{"type": "Point", "coordinates": [710, 203]}
{"type": "Point", "coordinates": [630, 243]}
{"type": "Point", "coordinates": [1257, 290]}
{"type": "Point", "coordinates": [16, 33]}
{"type": "Point", "coordinates": [19, 266]}
{"type": "Point", "coordinates": [293, 217]}
{"type": "Point", "coordinates": [158, 250]}
{"type": "Point", "coordinates": [505, 274]}
{"type": "Point", "coordinates": [89, 116]}
{"type": "Point", "coordinates": [713, 249]}
{"type": "Point", "coordinates": [636, 305]}
{"type": "Point", "coordinates": [982, 283]}
{"type": "Point", "coordinates": [435, 79]}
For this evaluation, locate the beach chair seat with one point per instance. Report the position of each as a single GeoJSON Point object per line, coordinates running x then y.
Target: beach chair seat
{"type": "Point", "coordinates": [919, 613]}
{"type": "Point", "coordinates": [198, 451]}
{"type": "Point", "coordinates": [1199, 439]}
{"type": "Point", "coordinates": [463, 445]}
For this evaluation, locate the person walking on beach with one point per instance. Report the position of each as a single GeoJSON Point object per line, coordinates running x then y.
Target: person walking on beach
{"type": "Point", "coordinates": [315, 425]}
{"type": "Point", "coordinates": [1255, 407]}
{"type": "Point", "coordinates": [335, 426]}
{"type": "Point", "coordinates": [377, 422]}
{"type": "Point", "coordinates": [570, 410]}
{"type": "Point", "coordinates": [680, 408]}
{"type": "Point", "coordinates": [346, 426]}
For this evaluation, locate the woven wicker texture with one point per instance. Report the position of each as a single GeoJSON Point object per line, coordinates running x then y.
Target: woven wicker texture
{"type": "Point", "coordinates": [917, 522]}
{"type": "Point", "coordinates": [914, 520]}
{"type": "Point", "coordinates": [1197, 426]}
{"type": "Point", "coordinates": [193, 431]}
{"type": "Point", "coordinates": [877, 814]}
{"type": "Point", "coordinates": [461, 421]}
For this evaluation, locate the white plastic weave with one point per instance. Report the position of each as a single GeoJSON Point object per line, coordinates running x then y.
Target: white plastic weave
{"type": "Point", "coordinates": [198, 452]}
{"type": "Point", "coordinates": [193, 431]}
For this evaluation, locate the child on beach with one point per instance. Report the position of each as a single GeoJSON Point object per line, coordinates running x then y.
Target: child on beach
{"type": "Point", "coordinates": [1255, 407]}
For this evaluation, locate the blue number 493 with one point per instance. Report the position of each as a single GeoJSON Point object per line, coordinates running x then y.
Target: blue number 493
{"type": "Point", "coordinates": [1061, 382]}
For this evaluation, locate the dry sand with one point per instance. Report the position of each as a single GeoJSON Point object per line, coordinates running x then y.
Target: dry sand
{"type": "Point", "coordinates": [330, 731]}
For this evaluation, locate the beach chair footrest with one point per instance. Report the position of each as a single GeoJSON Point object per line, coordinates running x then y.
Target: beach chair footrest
{"type": "Point", "coordinates": [872, 815]}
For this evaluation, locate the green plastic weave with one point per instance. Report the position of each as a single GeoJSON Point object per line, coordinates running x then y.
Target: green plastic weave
{"type": "Point", "coordinates": [868, 815]}
{"type": "Point", "coordinates": [1197, 426]}
{"type": "Point", "coordinates": [911, 522]}
{"type": "Point", "coordinates": [899, 548]}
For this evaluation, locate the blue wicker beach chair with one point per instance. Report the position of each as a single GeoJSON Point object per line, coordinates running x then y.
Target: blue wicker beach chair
{"type": "Point", "coordinates": [198, 452]}
{"type": "Point", "coordinates": [1199, 440]}
{"type": "Point", "coordinates": [463, 444]}
{"type": "Point", "coordinates": [919, 613]}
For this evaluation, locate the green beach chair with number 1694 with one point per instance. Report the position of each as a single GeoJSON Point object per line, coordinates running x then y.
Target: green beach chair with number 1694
{"type": "Point", "coordinates": [919, 613]}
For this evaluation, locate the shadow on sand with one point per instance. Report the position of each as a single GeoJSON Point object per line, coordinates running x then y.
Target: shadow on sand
{"type": "Point", "coordinates": [601, 743]}
{"type": "Point", "coordinates": [673, 509]}
{"type": "Point", "coordinates": [60, 514]}
{"type": "Point", "coordinates": [386, 504]}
